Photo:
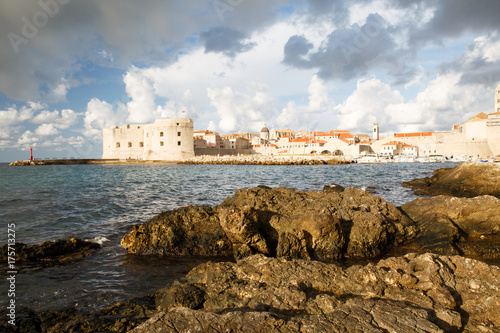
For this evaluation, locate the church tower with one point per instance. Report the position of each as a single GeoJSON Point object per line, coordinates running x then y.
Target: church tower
{"type": "Point", "coordinates": [264, 134]}
{"type": "Point", "coordinates": [497, 98]}
{"type": "Point", "coordinates": [375, 131]}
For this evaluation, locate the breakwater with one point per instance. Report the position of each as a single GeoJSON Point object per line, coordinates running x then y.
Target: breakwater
{"type": "Point", "coordinates": [268, 160]}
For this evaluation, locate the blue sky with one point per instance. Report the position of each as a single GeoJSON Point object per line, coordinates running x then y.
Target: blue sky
{"type": "Point", "coordinates": [68, 68]}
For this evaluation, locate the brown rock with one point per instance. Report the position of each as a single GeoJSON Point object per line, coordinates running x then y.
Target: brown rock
{"type": "Point", "coordinates": [324, 225]}
{"type": "Point", "coordinates": [464, 180]}
{"type": "Point", "coordinates": [60, 250]}
{"type": "Point", "coordinates": [415, 293]}
{"type": "Point", "coordinates": [185, 231]}
{"type": "Point", "coordinates": [449, 225]}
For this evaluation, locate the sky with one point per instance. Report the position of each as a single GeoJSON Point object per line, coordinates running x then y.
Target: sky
{"type": "Point", "coordinates": [69, 68]}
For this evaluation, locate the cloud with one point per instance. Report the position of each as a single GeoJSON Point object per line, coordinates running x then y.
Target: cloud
{"type": "Point", "coordinates": [480, 63]}
{"type": "Point", "coordinates": [142, 108]}
{"type": "Point", "coordinates": [46, 130]}
{"type": "Point", "coordinates": [50, 40]}
{"type": "Point", "coordinates": [296, 116]}
{"type": "Point", "coordinates": [452, 19]}
{"type": "Point", "coordinates": [225, 40]}
{"type": "Point", "coordinates": [15, 116]}
{"type": "Point", "coordinates": [367, 104]}
{"type": "Point", "coordinates": [101, 114]}
{"type": "Point", "coordinates": [352, 52]}
{"type": "Point", "coordinates": [239, 111]}
{"type": "Point", "coordinates": [58, 119]}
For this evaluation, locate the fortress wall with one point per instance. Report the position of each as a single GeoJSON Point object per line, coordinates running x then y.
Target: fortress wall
{"type": "Point", "coordinates": [221, 152]}
{"type": "Point", "coordinates": [123, 142]}
{"type": "Point", "coordinates": [165, 140]}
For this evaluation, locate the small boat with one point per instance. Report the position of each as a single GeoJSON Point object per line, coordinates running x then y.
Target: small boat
{"type": "Point", "coordinates": [371, 159]}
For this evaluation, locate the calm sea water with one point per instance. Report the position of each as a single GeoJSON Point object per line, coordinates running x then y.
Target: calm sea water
{"type": "Point", "coordinates": [103, 202]}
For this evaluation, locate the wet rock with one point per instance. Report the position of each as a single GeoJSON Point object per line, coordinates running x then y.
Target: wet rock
{"type": "Point", "coordinates": [185, 231]}
{"type": "Point", "coordinates": [464, 180]}
{"type": "Point", "coordinates": [60, 250]}
{"type": "Point", "coordinates": [121, 317]}
{"type": "Point", "coordinates": [450, 225]}
{"type": "Point", "coordinates": [322, 225]}
{"type": "Point", "coordinates": [184, 295]}
{"type": "Point", "coordinates": [414, 293]}
{"type": "Point", "coordinates": [333, 188]}
{"type": "Point", "coordinates": [24, 319]}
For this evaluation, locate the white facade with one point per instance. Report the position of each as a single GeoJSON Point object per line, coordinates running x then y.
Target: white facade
{"type": "Point", "coordinates": [164, 140]}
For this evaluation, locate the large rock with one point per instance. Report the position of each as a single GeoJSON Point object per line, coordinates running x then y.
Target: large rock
{"type": "Point", "coordinates": [323, 225]}
{"type": "Point", "coordinates": [185, 231]}
{"type": "Point", "coordinates": [450, 225]}
{"type": "Point", "coordinates": [414, 293]}
{"type": "Point", "coordinates": [464, 180]}
{"type": "Point", "coordinates": [60, 250]}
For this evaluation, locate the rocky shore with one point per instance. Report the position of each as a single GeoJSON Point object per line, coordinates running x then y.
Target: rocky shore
{"type": "Point", "coordinates": [336, 260]}
{"type": "Point", "coordinates": [268, 160]}
{"type": "Point", "coordinates": [56, 251]}
{"type": "Point", "coordinates": [464, 180]}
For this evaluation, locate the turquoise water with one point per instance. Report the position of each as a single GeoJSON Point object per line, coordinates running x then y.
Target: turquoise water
{"type": "Point", "coordinates": [103, 202]}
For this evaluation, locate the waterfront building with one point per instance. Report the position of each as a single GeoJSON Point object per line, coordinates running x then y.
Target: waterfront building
{"type": "Point", "coordinates": [165, 140]}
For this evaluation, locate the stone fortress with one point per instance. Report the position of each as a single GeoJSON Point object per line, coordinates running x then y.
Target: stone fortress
{"type": "Point", "coordinates": [175, 140]}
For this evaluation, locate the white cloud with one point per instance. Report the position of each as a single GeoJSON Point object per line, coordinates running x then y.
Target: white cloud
{"type": "Point", "coordinates": [58, 119]}
{"type": "Point", "coordinates": [319, 102]}
{"type": "Point", "coordinates": [46, 130]}
{"type": "Point", "coordinates": [28, 138]}
{"type": "Point", "coordinates": [142, 108]}
{"type": "Point", "coordinates": [238, 111]}
{"type": "Point", "coordinates": [101, 114]}
{"type": "Point", "coordinates": [16, 116]}
{"type": "Point", "coordinates": [367, 104]}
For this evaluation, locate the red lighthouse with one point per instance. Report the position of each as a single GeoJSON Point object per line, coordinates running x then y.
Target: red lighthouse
{"type": "Point", "coordinates": [31, 153]}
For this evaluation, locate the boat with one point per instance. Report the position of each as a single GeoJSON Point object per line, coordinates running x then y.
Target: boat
{"type": "Point", "coordinates": [371, 159]}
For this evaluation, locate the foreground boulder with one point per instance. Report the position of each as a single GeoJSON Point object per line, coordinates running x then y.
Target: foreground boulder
{"type": "Point", "coordinates": [60, 250]}
{"type": "Point", "coordinates": [414, 293]}
{"type": "Point", "coordinates": [464, 180]}
{"type": "Point", "coordinates": [450, 225]}
{"type": "Point", "coordinates": [185, 231]}
{"type": "Point", "coordinates": [322, 225]}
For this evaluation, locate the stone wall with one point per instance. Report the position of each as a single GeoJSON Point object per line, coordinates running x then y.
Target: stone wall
{"type": "Point", "coordinates": [221, 152]}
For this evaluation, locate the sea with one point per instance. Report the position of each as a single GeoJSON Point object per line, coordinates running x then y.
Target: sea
{"type": "Point", "coordinates": [102, 203]}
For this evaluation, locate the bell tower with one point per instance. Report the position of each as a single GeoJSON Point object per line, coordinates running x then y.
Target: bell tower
{"type": "Point", "coordinates": [375, 131]}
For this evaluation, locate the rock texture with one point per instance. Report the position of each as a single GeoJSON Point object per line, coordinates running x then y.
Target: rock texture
{"type": "Point", "coordinates": [323, 225]}
{"type": "Point", "coordinates": [464, 180]}
{"type": "Point", "coordinates": [185, 231]}
{"type": "Point", "coordinates": [450, 225]}
{"type": "Point", "coordinates": [414, 293]}
{"type": "Point", "coordinates": [60, 250]}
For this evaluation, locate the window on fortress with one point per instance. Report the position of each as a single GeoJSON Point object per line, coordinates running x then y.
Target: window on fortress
{"type": "Point", "coordinates": [130, 144]}
{"type": "Point", "coordinates": [161, 143]}
{"type": "Point", "coordinates": [117, 145]}
{"type": "Point", "coordinates": [161, 133]}
{"type": "Point", "coordinates": [178, 143]}
{"type": "Point", "coordinates": [128, 126]}
{"type": "Point", "coordinates": [141, 144]}
{"type": "Point", "coordinates": [178, 133]}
